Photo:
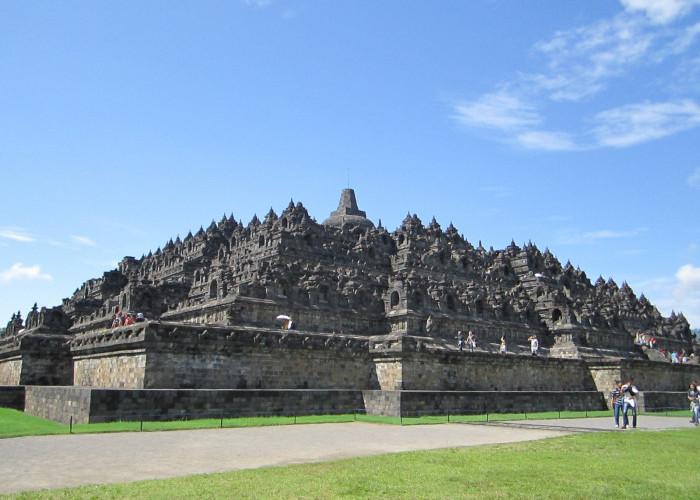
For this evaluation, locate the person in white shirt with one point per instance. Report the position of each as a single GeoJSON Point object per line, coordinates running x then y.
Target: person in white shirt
{"type": "Point", "coordinates": [630, 401]}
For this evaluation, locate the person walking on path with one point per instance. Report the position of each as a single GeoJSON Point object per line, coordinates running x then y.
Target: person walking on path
{"type": "Point", "coordinates": [694, 398]}
{"type": "Point", "coordinates": [460, 340]}
{"type": "Point", "coordinates": [616, 400]}
{"type": "Point", "coordinates": [534, 345]}
{"type": "Point", "coordinates": [471, 341]}
{"type": "Point", "coordinates": [630, 392]}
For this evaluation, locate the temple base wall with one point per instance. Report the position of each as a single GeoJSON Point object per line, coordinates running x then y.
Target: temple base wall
{"type": "Point", "coordinates": [90, 405]}
{"type": "Point", "coordinates": [481, 402]}
{"type": "Point", "coordinates": [11, 371]}
{"type": "Point", "coordinates": [647, 375]}
{"type": "Point", "coordinates": [36, 359]}
{"type": "Point", "coordinates": [182, 356]}
{"type": "Point", "coordinates": [12, 397]}
{"type": "Point", "coordinates": [489, 372]}
{"type": "Point", "coordinates": [125, 369]}
{"type": "Point", "coordinates": [81, 405]}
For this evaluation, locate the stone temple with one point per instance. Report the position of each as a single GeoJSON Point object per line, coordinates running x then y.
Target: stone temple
{"type": "Point", "coordinates": [376, 316]}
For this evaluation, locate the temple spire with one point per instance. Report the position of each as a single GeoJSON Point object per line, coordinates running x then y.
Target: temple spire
{"type": "Point", "coordinates": [348, 212]}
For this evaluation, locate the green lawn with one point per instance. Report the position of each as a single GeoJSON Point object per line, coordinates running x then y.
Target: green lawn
{"type": "Point", "coordinates": [639, 465]}
{"type": "Point", "coordinates": [14, 423]}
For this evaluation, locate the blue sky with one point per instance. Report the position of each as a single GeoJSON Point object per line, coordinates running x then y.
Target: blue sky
{"type": "Point", "coordinates": [574, 125]}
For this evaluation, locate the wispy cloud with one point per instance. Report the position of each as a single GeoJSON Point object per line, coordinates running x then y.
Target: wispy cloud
{"type": "Point", "coordinates": [16, 234]}
{"type": "Point", "coordinates": [499, 110]}
{"type": "Point", "coordinates": [578, 64]}
{"type": "Point", "coordinates": [694, 179]}
{"type": "Point", "coordinates": [575, 237]}
{"type": "Point", "coordinates": [498, 191]}
{"type": "Point", "coordinates": [83, 240]}
{"type": "Point", "coordinates": [547, 141]}
{"type": "Point", "coordinates": [660, 11]}
{"type": "Point", "coordinates": [580, 61]}
{"type": "Point", "coordinates": [638, 123]}
{"type": "Point", "coordinates": [19, 271]}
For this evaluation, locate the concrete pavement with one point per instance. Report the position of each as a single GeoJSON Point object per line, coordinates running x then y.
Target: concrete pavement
{"type": "Point", "coordinates": [39, 462]}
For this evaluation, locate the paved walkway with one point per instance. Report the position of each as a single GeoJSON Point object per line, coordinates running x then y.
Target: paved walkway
{"type": "Point", "coordinates": [38, 462]}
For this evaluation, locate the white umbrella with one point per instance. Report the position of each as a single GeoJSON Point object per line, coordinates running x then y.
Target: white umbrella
{"type": "Point", "coordinates": [283, 317]}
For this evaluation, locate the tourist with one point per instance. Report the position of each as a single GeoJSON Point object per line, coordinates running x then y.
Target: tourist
{"type": "Point", "coordinates": [128, 319]}
{"type": "Point", "coordinates": [504, 347]}
{"type": "Point", "coordinates": [471, 341]}
{"type": "Point", "coordinates": [460, 340]}
{"type": "Point", "coordinates": [118, 320]}
{"type": "Point", "coordinates": [694, 398]}
{"type": "Point", "coordinates": [429, 324]}
{"type": "Point", "coordinates": [616, 400]}
{"type": "Point", "coordinates": [534, 345]}
{"type": "Point", "coordinates": [652, 342]}
{"type": "Point", "coordinates": [115, 321]}
{"type": "Point", "coordinates": [674, 357]}
{"type": "Point", "coordinates": [630, 393]}
{"type": "Point", "coordinates": [140, 318]}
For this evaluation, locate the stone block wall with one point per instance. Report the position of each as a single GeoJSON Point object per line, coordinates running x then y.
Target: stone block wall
{"type": "Point", "coordinates": [648, 375]}
{"type": "Point", "coordinates": [121, 369]}
{"type": "Point", "coordinates": [261, 368]}
{"type": "Point", "coordinates": [480, 402]}
{"type": "Point", "coordinates": [11, 370]}
{"type": "Point", "coordinates": [386, 403]}
{"type": "Point", "coordinates": [12, 397]}
{"type": "Point", "coordinates": [665, 401]}
{"type": "Point", "coordinates": [90, 405]}
{"type": "Point", "coordinates": [59, 403]}
{"type": "Point", "coordinates": [465, 371]}
{"type": "Point", "coordinates": [389, 373]}
{"type": "Point", "coordinates": [170, 355]}
{"type": "Point", "coordinates": [35, 359]}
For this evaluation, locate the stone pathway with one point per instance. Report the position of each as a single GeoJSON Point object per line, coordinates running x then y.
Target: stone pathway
{"type": "Point", "coordinates": [38, 462]}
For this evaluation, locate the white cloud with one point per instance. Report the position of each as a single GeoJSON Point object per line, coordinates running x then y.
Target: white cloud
{"type": "Point", "coordinates": [575, 237]}
{"type": "Point", "coordinates": [660, 11]}
{"type": "Point", "coordinates": [498, 191]}
{"type": "Point", "coordinates": [694, 179]}
{"type": "Point", "coordinates": [16, 234]}
{"type": "Point", "coordinates": [686, 293]}
{"type": "Point", "coordinates": [582, 62]}
{"type": "Point", "coordinates": [546, 141]}
{"type": "Point", "coordinates": [498, 110]}
{"type": "Point", "coordinates": [636, 123]}
{"type": "Point", "coordinates": [688, 277]}
{"type": "Point", "coordinates": [680, 293]}
{"type": "Point", "coordinates": [83, 240]}
{"type": "Point", "coordinates": [19, 271]}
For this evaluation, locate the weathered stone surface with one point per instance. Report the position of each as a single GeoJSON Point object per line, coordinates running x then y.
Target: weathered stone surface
{"type": "Point", "coordinates": [35, 358]}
